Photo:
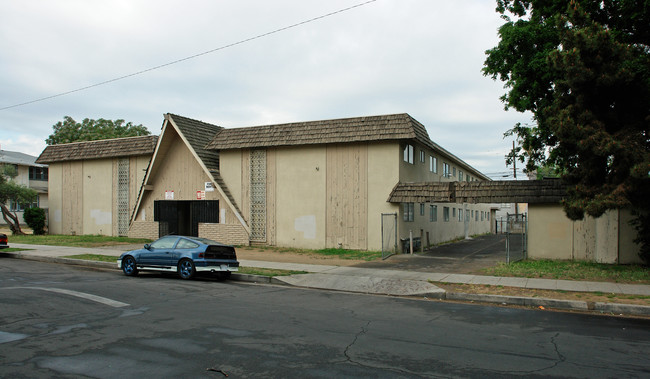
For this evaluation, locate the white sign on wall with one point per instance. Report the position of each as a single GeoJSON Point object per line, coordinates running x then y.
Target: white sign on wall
{"type": "Point", "coordinates": [209, 187]}
{"type": "Point", "coordinates": [169, 195]}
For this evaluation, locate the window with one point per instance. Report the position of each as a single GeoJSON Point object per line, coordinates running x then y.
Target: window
{"type": "Point", "coordinates": [421, 209]}
{"type": "Point", "coordinates": [469, 178]}
{"type": "Point", "coordinates": [476, 216]}
{"type": "Point", "coordinates": [445, 170]}
{"type": "Point", "coordinates": [454, 174]}
{"type": "Point", "coordinates": [433, 164]}
{"type": "Point", "coordinates": [460, 214]}
{"type": "Point", "coordinates": [445, 213]}
{"type": "Point", "coordinates": [408, 154]}
{"type": "Point", "coordinates": [422, 156]}
{"type": "Point", "coordinates": [186, 244]}
{"type": "Point", "coordinates": [433, 213]}
{"type": "Point", "coordinates": [37, 173]}
{"type": "Point", "coordinates": [453, 212]}
{"type": "Point", "coordinates": [19, 207]}
{"type": "Point", "coordinates": [487, 216]}
{"type": "Point", "coordinates": [460, 176]}
{"type": "Point", "coordinates": [408, 212]}
{"type": "Point", "coordinates": [472, 213]}
{"type": "Point", "coordinates": [481, 215]}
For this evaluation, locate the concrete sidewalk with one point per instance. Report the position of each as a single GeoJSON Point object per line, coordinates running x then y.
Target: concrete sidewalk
{"type": "Point", "coordinates": [385, 282]}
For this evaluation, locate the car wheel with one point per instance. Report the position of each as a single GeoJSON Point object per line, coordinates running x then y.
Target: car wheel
{"type": "Point", "coordinates": [186, 269]}
{"type": "Point", "coordinates": [129, 267]}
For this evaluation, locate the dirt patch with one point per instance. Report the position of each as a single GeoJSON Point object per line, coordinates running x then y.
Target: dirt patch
{"type": "Point", "coordinates": [254, 254]}
{"type": "Point", "coordinates": [549, 294]}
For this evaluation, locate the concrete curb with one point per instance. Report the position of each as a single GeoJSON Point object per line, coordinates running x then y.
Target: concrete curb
{"type": "Point", "coordinates": [609, 308]}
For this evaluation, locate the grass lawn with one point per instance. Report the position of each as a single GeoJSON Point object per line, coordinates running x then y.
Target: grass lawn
{"type": "Point", "coordinates": [573, 270]}
{"type": "Point", "coordinates": [268, 271]}
{"type": "Point", "coordinates": [77, 241]}
{"type": "Point", "coordinates": [94, 257]}
{"type": "Point", "coordinates": [339, 253]}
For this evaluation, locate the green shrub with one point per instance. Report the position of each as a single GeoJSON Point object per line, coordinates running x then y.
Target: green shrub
{"type": "Point", "coordinates": [35, 219]}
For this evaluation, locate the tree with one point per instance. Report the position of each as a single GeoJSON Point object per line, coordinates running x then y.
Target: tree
{"type": "Point", "coordinates": [12, 192]}
{"type": "Point", "coordinates": [583, 69]}
{"type": "Point", "coordinates": [69, 130]}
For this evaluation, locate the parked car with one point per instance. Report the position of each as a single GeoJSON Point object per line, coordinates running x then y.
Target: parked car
{"type": "Point", "coordinates": [3, 241]}
{"type": "Point", "coordinates": [185, 255]}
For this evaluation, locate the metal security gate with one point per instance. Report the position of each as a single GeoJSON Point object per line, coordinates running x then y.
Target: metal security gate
{"type": "Point", "coordinates": [182, 217]}
{"type": "Point", "coordinates": [516, 237]}
{"type": "Point", "coordinates": [388, 234]}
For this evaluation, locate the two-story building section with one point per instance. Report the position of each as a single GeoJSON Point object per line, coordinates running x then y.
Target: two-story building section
{"type": "Point", "coordinates": [29, 174]}
{"type": "Point", "coordinates": [310, 184]}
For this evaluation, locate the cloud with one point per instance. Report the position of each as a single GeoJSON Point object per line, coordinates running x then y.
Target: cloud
{"type": "Point", "coordinates": [419, 57]}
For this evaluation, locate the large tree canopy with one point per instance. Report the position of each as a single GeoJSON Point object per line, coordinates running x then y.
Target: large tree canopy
{"type": "Point", "coordinates": [69, 130]}
{"type": "Point", "coordinates": [583, 69]}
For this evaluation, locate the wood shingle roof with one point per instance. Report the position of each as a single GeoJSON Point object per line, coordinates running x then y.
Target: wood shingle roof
{"type": "Point", "coordinates": [505, 191]}
{"type": "Point", "coordinates": [108, 148]}
{"type": "Point", "coordinates": [357, 129]}
{"type": "Point", "coordinates": [198, 133]}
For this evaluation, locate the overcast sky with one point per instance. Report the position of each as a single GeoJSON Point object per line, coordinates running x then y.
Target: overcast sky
{"type": "Point", "coordinates": [420, 57]}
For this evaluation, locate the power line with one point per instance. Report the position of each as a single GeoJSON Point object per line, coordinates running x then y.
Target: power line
{"type": "Point", "coordinates": [191, 56]}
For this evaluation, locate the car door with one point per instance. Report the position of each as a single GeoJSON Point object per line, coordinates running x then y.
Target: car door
{"type": "Point", "coordinates": [159, 253]}
{"type": "Point", "coordinates": [184, 248]}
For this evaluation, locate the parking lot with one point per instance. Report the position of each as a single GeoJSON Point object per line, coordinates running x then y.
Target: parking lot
{"type": "Point", "coordinates": [463, 257]}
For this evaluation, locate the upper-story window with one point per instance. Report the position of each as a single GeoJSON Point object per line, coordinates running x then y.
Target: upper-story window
{"type": "Point", "coordinates": [460, 176]}
{"type": "Point", "coordinates": [454, 171]}
{"type": "Point", "coordinates": [408, 154]}
{"type": "Point", "coordinates": [422, 156]}
{"type": "Point", "coordinates": [407, 211]}
{"type": "Point", "coordinates": [433, 164]}
{"type": "Point", "coordinates": [445, 170]}
{"type": "Point", "coordinates": [37, 173]}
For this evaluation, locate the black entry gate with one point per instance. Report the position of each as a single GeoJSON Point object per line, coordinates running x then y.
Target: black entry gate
{"type": "Point", "coordinates": [182, 217]}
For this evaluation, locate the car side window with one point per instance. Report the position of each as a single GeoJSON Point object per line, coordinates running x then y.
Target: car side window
{"type": "Point", "coordinates": [164, 243]}
{"type": "Point", "coordinates": [186, 244]}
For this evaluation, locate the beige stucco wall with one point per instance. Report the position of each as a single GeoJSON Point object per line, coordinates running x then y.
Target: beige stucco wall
{"type": "Point", "coordinates": [300, 197]}
{"type": "Point", "coordinates": [383, 174]}
{"type": "Point", "coordinates": [82, 195]}
{"type": "Point", "coordinates": [607, 239]}
{"type": "Point", "coordinates": [98, 197]}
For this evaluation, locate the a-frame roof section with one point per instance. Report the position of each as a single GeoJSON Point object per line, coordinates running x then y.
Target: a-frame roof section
{"type": "Point", "coordinates": [194, 133]}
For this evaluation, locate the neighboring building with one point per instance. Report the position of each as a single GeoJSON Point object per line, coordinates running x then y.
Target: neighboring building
{"type": "Point", "coordinates": [93, 185]}
{"type": "Point", "coordinates": [30, 174]}
{"type": "Point", "coordinates": [309, 184]}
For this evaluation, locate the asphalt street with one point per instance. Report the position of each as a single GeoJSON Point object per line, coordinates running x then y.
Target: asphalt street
{"type": "Point", "coordinates": [65, 321]}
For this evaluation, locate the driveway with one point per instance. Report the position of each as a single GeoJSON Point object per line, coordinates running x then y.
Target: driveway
{"type": "Point", "coordinates": [464, 257]}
